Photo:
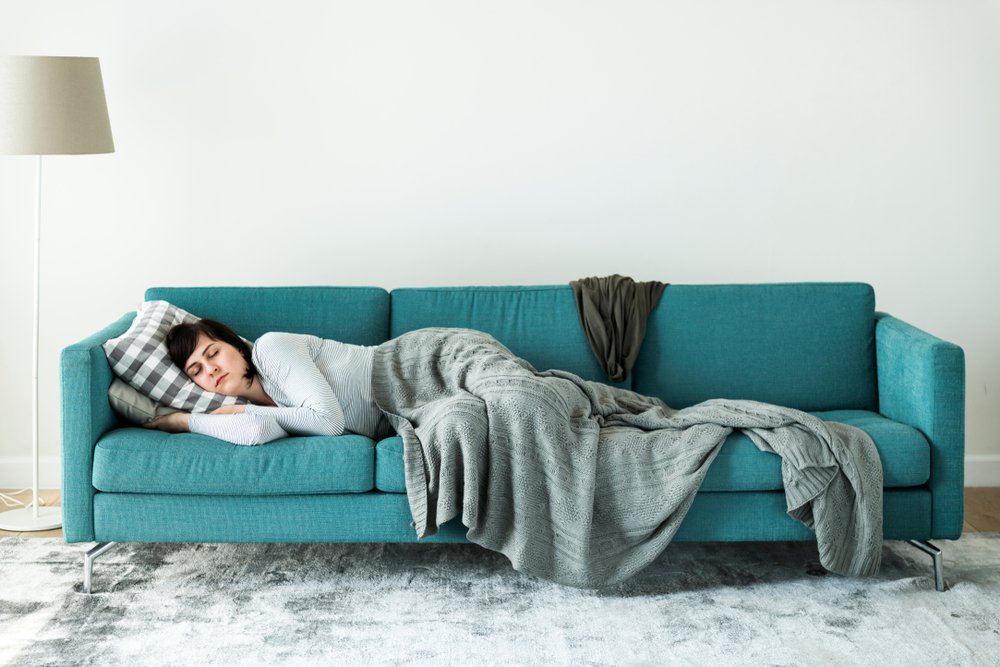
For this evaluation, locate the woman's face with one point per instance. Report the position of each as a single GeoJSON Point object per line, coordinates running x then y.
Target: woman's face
{"type": "Point", "coordinates": [217, 366]}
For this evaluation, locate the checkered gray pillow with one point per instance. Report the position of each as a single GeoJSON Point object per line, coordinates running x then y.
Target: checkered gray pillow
{"type": "Point", "coordinates": [139, 356]}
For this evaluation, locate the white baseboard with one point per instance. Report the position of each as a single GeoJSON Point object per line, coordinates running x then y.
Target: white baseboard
{"type": "Point", "coordinates": [982, 470]}
{"type": "Point", "coordinates": [15, 471]}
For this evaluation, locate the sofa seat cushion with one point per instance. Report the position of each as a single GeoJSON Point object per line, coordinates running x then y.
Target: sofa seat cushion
{"type": "Point", "coordinates": [904, 451]}
{"type": "Point", "coordinates": [389, 470]}
{"type": "Point", "coordinates": [740, 466]}
{"type": "Point", "coordinates": [137, 460]}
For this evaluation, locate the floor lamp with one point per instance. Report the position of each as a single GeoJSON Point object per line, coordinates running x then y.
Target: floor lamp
{"type": "Point", "coordinates": [48, 106]}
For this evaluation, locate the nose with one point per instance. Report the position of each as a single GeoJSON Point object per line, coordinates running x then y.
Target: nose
{"type": "Point", "coordinates": [209, 368]}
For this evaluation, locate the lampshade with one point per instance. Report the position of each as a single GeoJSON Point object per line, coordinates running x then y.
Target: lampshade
{"type": "Point", "coordinates": [52, 105]}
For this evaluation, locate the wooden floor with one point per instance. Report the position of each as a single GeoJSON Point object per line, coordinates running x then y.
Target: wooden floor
{"type": "Point", "coordinates": [982, 511]}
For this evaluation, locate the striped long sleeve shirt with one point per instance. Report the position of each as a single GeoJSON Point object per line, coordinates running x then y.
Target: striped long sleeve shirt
{"type": "Point", "coordinates": [321, 387]}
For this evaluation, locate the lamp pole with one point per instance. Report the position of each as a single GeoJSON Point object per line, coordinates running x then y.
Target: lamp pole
{"type": "Point", "coordinates": [38, 518]}
{"type": "Point", "coordinates": [54, 515]}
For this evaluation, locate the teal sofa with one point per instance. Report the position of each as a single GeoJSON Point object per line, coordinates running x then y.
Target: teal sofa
{"type": "Point", "coordinates": [818, 347]}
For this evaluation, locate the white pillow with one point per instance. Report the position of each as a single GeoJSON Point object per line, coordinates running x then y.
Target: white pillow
{"type": "Point", "coordinates": [134, 406]}
{"type": "Point", "coordinates": [139, 356]}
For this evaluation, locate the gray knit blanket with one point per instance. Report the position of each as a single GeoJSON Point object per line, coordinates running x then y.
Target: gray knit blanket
{"type": "Point", "coordinates": [586, 484]}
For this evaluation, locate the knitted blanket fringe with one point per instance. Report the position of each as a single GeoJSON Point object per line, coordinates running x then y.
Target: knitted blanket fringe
{"type": "Point", "coordinates": [585, 484]}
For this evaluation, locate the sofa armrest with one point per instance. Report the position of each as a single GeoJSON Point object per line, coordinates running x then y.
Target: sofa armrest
{"type": "Point", "coordinates": [921, 382]}
{"type": "Point", "coordinates": [86, 415]}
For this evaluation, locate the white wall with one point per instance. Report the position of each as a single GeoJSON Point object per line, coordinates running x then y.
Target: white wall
{"type": "Point", "coordinates": [404, 143]}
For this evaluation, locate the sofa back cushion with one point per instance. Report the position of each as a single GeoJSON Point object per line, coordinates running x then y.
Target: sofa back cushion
{"type": "Point", "coordinates": [809, 346]}
{"type": "Point", "coordinates": [538, 323]}
{"type": "Point", "coordinates": [357, 315]}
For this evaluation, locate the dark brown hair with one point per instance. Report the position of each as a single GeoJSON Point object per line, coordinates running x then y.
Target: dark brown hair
{"type": "Point", "coordinates": [182, 339]}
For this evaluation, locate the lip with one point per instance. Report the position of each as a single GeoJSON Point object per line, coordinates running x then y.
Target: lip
{"type": "Point", "coordinates": [219, 381]}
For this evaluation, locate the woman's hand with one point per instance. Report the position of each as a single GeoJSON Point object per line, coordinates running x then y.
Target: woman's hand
{"type": "Point", "coordinates": [229, 410]}
{"type": "Point", "coordinates": [175, 422]}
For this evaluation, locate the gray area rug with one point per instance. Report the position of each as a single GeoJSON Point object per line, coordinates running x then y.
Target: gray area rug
{"type": "Point", "coordinates": [711, 604]}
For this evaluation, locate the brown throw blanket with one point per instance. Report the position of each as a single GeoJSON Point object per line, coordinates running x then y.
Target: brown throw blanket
{"type": "Point", "coordinates": [613, 312]}
{"type": "Point", "coordinates": [586, 484]}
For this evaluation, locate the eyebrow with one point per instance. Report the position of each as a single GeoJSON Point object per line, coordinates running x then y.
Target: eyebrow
{"type": "Point", "coordinates": [203, 351]}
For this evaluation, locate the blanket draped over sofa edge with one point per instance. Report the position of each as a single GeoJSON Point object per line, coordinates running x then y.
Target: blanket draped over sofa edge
{"type": "Point", "coordinates": [585, 484]}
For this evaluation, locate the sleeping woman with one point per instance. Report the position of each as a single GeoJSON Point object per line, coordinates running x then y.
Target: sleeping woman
{"type": "Point", "coordinates": [295, 384]}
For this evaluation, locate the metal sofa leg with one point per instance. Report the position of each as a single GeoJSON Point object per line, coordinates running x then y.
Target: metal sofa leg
{"type": "Point", "coordinates": [88, 563]}
{"type": "Point", "coordinates": [935, 555]}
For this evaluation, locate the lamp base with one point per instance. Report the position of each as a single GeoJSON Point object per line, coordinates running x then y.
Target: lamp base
{"type": "Point", "coordinates": [25, 521]}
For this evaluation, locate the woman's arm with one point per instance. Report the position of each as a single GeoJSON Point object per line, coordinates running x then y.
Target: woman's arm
{"type": "Point", "coordinates": [287, 360]}
{"type": "Point", "coordinates": [239, 429]}
{"type": "Point", "coordinates": [175, 422]}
